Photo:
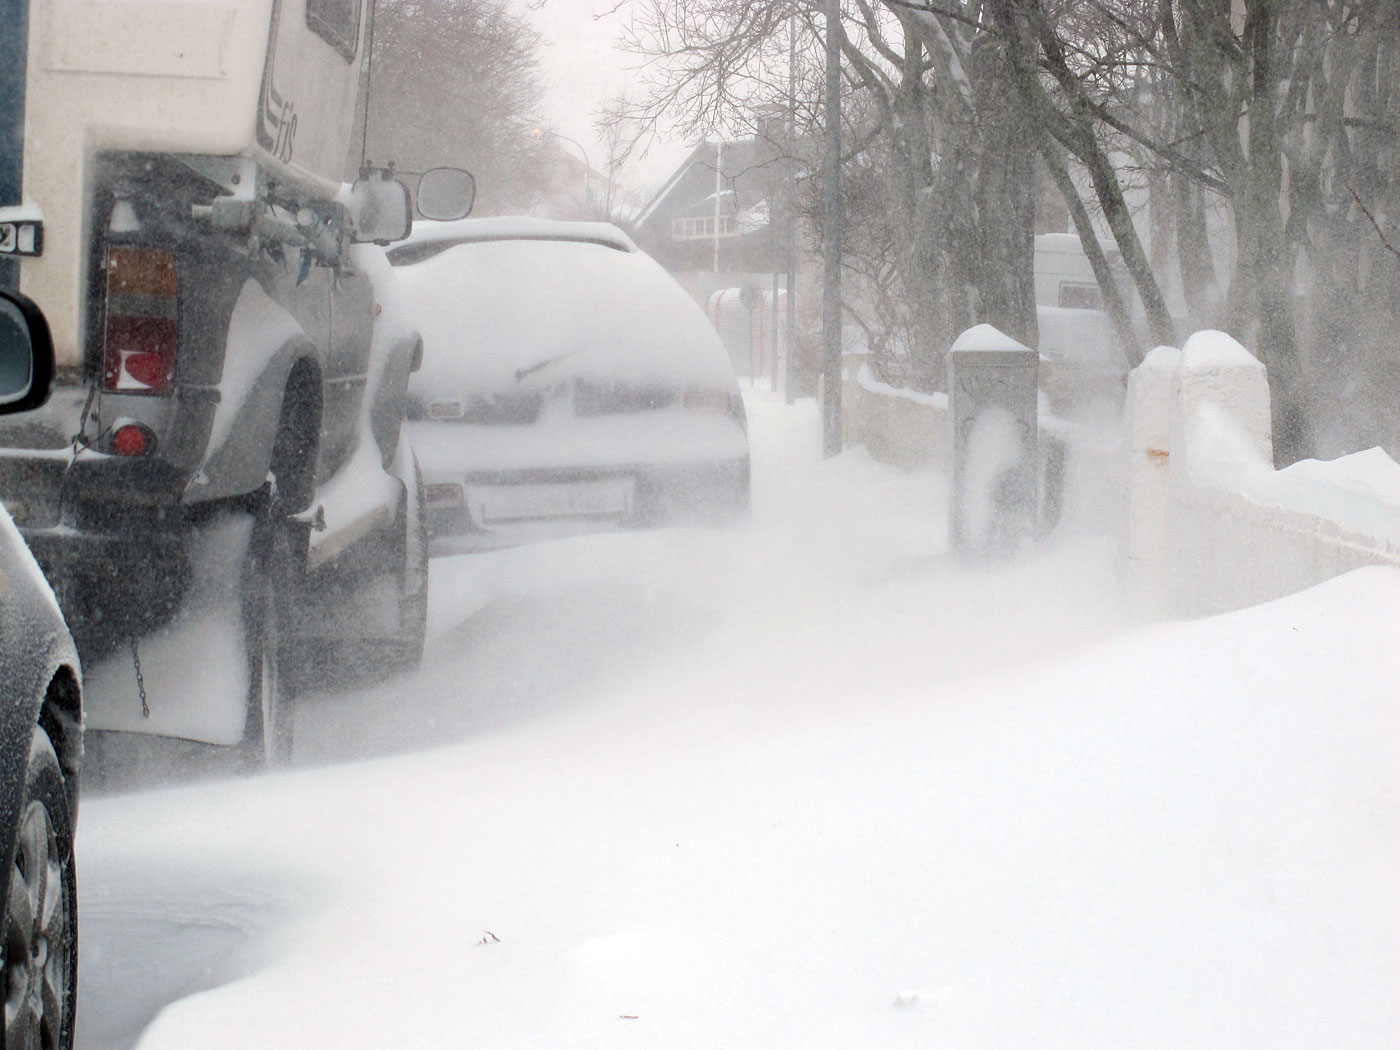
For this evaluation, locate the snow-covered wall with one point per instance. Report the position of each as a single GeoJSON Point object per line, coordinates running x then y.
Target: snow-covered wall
{"type": "Point", "coordinates": [1205, 523]}
{"type": "Point", "coordinates": [1081, 471]}
{"type": "Point", "coordinates": [1211, 524]}
{"type": "Point", "coordinates": [898, 426]}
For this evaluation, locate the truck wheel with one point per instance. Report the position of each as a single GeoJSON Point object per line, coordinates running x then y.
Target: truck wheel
{"type": "Point", "coordinates": [271, 581]}
{"type": "Point", "coordinates": [40, 938]}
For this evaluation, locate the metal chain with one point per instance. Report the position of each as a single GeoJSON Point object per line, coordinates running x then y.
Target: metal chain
{"type": "Point", "coordinates": [140, 681]}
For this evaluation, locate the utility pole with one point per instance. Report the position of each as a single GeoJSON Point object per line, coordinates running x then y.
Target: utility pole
{"type": "Point", "coordinates": [790, 378]}
{"type": "Point", "coordinates": [719, 188]}
{"type": "Point", "coordinates": [831, 242]}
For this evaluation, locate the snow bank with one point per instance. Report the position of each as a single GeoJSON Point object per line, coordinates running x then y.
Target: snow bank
{"type": "Point", "coordinates": [805, 784]}
{"type": "Point", "coordinates": [1212, 525]}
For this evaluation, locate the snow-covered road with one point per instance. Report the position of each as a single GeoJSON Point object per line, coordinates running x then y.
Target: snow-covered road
{"type": "Point", "coordinates": [803, 783]}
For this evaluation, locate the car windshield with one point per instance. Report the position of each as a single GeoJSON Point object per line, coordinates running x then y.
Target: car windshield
{"type": "Point", "coordinates": [600, 311]}
{"type": "Point", "coordinates": [700, 523]}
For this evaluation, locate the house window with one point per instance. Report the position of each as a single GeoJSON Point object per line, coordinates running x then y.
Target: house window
{"type": "Point", "coordinates": [337, 22]}
{"type": "Point", "coordinates": [700, 228]}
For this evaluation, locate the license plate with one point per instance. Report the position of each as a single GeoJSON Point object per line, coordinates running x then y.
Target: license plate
{"type": "Point", "coordinates": [22, 238]}
{"type": "Point", "coordinates": [604, 499]}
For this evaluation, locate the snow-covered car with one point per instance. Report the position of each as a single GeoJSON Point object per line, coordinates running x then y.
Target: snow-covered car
{"type": "Point", "coordinates": [41, 743]}
{"type": "Point", "coordinates": [568, 384]}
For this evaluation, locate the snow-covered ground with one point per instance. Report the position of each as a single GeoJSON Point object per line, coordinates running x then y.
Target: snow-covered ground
{"type": "Point", "coordinates": [803, 783]}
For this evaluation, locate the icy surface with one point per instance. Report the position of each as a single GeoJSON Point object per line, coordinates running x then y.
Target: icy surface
{"type": "Point", "coordinates": [802, 783]}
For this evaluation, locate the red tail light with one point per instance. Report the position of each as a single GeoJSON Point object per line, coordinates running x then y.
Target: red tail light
{"type": "Point", "coordinates": [143, 329]}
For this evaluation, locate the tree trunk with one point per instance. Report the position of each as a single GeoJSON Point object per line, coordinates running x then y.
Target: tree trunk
{"type": "Point", "coordinates": [1005, 248]}
{"type": "Point", "coordinates": [1114, 305]}
{"type": "Point", "coordinates": [1199, 285]}
{"type": "Point", "coordinates": [1264, 300]}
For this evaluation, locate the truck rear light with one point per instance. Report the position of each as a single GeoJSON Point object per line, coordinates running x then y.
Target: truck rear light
{"type": "Point", "coordinates": [133, 439]}
{"type": "Point", "coordinates": [142, 332]}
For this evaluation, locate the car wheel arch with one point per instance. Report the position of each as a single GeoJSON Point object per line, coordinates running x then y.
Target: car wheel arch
{"type": "Point", "coordinates": [61, 717]}
{"type": "Point", "coordinates": [293, 456]}
{"type": "Point", "coordinates": [238, 460]}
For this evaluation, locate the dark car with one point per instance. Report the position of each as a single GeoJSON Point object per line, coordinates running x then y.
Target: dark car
{"type": "Point", "coordinates": [41, 744]}
{"type": "Point", "coordinates": [568, 384]}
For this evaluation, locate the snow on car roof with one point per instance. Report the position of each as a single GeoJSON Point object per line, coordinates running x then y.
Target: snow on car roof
{"type": "Point", "coordinates": [428, 238]}
{"type": "Point", "coordinates": [505, 313]}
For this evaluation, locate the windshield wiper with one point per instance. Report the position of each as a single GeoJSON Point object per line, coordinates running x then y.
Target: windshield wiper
{"type": "Point", "coordinates": [521, 373]}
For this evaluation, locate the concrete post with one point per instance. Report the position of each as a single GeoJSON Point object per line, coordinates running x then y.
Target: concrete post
{"type": "Point", "coordinates": [992, 384]}
{"type": "Point", "coordinates": [1147, 420]}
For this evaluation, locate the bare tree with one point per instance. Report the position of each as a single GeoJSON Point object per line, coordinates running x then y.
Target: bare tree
{"type": "Point", "coordinates": [458, 82]}
{"type": "Point", "coordinates": [1283, 116]}
{"type": "Point", "coordinates": [1277, 111]}
{"type": "Point", "coordinates": [933, 152]}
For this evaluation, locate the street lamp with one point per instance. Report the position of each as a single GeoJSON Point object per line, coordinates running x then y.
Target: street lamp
{"type": "Point", "coordinates": [587, 167]}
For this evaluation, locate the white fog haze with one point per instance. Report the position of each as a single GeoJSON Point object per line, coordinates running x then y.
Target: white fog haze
{"type": "Point", "coordinates": [697, 524]}
{"type": "Point", "coordinates": [804, 780]}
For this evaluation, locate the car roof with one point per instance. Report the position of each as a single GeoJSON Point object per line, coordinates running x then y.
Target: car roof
{"type": "Point", "coordinates": [430, 238]}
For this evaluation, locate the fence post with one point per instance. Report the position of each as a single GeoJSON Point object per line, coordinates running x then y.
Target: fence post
{"type": "Point", "coordinates": [992, 386]}
{"type": "Point", "coordinates": [1147, 422]}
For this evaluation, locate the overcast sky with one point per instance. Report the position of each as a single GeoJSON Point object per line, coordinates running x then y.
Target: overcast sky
{"type": "Point", "coordinates": [583, 69]}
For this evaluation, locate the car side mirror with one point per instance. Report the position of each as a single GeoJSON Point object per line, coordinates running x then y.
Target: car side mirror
{"type": "Point", "coordinates": [26, 354]}
{"type": "Point", "coordinates": [381, 208]}
{"type": "Point", "coordinates": [445, 194]}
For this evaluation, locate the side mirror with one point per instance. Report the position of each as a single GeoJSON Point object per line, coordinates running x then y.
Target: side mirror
{"type": "Point", "coordinates": [26, 354]}
{"type": "Point", "coordinates": [445, 194]}
{"type": "Point", "coordinates": [381, 208]}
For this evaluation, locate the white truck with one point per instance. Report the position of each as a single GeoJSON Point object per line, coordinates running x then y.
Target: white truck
{"type": "Point", "coordinates": [224, 429]}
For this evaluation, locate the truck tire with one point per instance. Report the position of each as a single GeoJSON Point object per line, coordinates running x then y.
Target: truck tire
{"type": "Point", "coordinates": [271, 583]}
{"type": "Point", "coordinates": [40, 936]}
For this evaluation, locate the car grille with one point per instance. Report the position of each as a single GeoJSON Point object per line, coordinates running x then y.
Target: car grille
{"type": "Point", "coordinates": [517, 409]}
{"type": "Point", "coordinates": [523, 407]}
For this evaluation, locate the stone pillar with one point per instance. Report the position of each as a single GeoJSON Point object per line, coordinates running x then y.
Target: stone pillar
{"type": "Point", "coordinates": [1147, 421]}
{"type": "Point", "coordinates": [992, 386]}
